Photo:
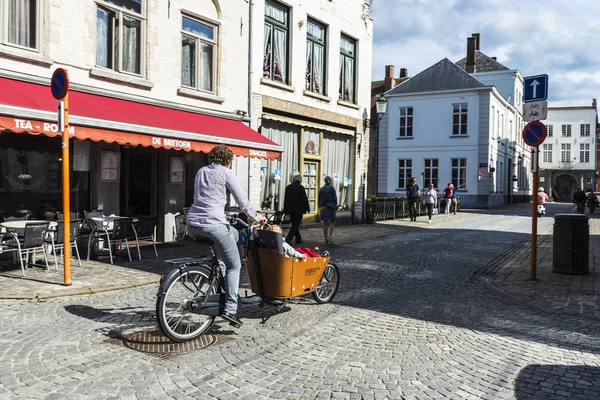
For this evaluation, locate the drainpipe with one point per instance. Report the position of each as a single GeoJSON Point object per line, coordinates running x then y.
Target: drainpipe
{"type": "Point", "coordinates": [250, 75]}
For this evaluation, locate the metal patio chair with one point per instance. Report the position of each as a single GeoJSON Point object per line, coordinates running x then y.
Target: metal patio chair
{"type": "Point", "coordinates": [57, 239]}
{"type": "Point", "coordinates": [145, 231]}
{"type": "Point", "coordinates": [33, 240]}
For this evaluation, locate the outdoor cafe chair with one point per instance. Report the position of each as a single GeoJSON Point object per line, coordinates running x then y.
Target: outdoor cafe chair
{"type": "Point", "coordinates": [122, 232]}
{"type": "Point", "coordinates": [180, 228]}
{"type": "Point", "coordinates": [57, 240]}
{"type": "Point", "coordinates": [145, 231]}
{"type": "Point", "coordinates": [32, 241]}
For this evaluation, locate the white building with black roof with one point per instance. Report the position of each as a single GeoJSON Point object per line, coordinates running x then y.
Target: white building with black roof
{"type": "Point", "coordinates": [461, 123]}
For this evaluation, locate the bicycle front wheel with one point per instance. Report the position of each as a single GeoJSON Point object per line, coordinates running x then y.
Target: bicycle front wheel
{"type": "Point", "coordinates": [328, 284]}
{"type": "Point", "coordinates": [173, 308]}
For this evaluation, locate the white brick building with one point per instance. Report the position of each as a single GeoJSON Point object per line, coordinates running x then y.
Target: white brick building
{"type": "Point", "coordinates": [311, 71]}
{"type": "Point", "coordinates": [568, 154]}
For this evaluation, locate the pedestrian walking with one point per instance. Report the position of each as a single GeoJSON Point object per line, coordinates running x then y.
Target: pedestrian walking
{"type": "Point", "coordinates": [455, 196]}
{"type": "Point", "coordinates": [412, 195]}
{"type": "Point", "coordinates": [430, 200]}
{"type": "Point", "coordinates": [448, 193]}
{"type": "Point", "coordinates": [295, 204]}
{"type": "Point", "coordinates": [327, 207]}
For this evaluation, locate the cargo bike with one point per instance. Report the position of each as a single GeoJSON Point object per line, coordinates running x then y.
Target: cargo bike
{"type": "Point", "coordinates": [192, 295]}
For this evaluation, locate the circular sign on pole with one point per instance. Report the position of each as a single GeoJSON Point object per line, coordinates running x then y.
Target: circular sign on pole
{"type": "Point", "coordinates": [59, 86]}
{"type": "Point", "coordinates": [534, 133]}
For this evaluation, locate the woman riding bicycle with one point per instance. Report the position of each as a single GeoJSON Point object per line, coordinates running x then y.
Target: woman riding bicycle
{"type": "Point", "coordinates": [206, 218]}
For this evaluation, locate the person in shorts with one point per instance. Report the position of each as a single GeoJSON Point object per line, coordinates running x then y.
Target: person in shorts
{"type": "Point", "coordinates": [327, 206]}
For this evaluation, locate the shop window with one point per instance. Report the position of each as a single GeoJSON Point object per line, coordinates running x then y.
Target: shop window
{"type": "Point", "coordinates": [21, 20]}
{"type": "Point", "coordinates": [177, 170]}
{"type": "Point", "coordinates": [311, 143]}
{"type": "Point", "coordinates": [198, 54]}
{"type": "Point", "coordinates": [315, 57]}
{"type": "Point", "coordinates": [276, 43]}
{"type": "Point", "coordinates": [347, 69]}
{"type": "Point", "coordinates": [119, 29]}
{"type": "Point", "coordinates": [111, 166]}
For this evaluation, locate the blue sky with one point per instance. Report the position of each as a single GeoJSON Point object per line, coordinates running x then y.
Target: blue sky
{"type": "Point", "coordinates": [556, 37]}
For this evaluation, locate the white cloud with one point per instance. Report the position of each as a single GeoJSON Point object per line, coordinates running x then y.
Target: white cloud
{"type": "Point", "coordinates": [554, 37]}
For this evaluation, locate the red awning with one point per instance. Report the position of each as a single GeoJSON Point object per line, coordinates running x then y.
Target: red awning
{"type": "Point", "coordinates": [29, 107]}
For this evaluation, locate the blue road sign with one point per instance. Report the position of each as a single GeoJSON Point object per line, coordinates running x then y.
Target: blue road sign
{"type": "Point", "coordinates": [534, 133]}
{"type": "Point", "coordinates": [535, 88]}
{"type": "Point", "coordinates": [59, 85]}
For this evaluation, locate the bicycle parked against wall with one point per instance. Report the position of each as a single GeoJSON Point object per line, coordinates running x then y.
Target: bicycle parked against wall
{"type": "Point", "coordinates": [192, 295]}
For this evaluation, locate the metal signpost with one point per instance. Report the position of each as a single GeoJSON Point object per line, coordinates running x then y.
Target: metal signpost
{"type": "Point", "coordinates": [59, 86]}
{"type": "Point", "coordinates": [534, 134]}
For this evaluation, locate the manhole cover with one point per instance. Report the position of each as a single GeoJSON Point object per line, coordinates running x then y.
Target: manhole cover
{"type": "Point", "coordinates": [154, 342]}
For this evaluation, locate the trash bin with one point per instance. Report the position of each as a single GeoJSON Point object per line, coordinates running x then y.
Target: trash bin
{"type": "Point", "coordinates": [570, 251]}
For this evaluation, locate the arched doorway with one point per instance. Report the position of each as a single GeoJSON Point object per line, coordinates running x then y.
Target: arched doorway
{"type": "Point", "coordinates": [563, 188]}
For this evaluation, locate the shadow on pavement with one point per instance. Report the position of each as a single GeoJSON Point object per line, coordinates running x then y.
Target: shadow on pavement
{"type": "Point", "coordinates": [563, 381]}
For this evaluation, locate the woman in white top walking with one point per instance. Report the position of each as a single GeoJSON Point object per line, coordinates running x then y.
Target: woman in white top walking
{"type": "Point", "coordinates": [430, 200]}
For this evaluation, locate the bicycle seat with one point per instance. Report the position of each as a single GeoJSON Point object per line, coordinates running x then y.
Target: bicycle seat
{"type": "Point", "coordinates": [203, 240]}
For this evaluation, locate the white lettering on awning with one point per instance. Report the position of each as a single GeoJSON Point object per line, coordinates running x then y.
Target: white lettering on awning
{"type": "Point", "coordinates": [45, 127]}
{"type": "Point", "coordinates": [258, 153]}
{"type": "Point", "coordinates": [171, 142]}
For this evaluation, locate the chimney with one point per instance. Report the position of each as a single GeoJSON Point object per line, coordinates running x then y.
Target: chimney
{"type": "Point", "coordinates": [594, 102]}
{"type": "Point", "coordinates": [477, 37]}
{"type": "Point", "coordinates": [403, 73]}
{"type": "Point", "coordinates": [389, 77]}
{"type": "Point", "coordinates": [471, 47]}
{"type": "Point", "coordinates": [389, 71]}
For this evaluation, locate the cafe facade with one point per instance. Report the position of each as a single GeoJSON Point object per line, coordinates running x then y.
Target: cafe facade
{"type": "Point", "coordinates": [152, 91]}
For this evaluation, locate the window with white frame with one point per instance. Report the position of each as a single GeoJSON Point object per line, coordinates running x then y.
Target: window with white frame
{"type": "Point", "coordinates": [566, 130]}
{"type": "Point", "coordinates": [404, 172]}
{"type": "Point", "coordinates": [459, 119]}
{"type": "Point", "coordinates": [406, 122]}
{"type": "Point", "coordinates": [493, 130]}
{"type": "Point", "coordinates": [198, 53]}
{"type": "Point", "coordinates": [584, 152]}
{"type": "Point", "coordinates": [547, 152]}
{"type": "Point", "coordinates": [588, 180]}
{"type": "Point", "coordinates": [431, 172]}
{"type": "Point", "coordinates": [19, 23]}
{"type": "Point", "coordinates": [459, 172]}
{"type": "Point", "coordinates": [315, 57]}
{"type": "Point", "coordinates": [584, 129]}
{"type": "Point", "coordinates": [565, 152]}
{"type": "Point", "coordinates": [119, 28]}
{"type": "Point", "coordinates": [347, 69]}
{"type": "Point", "coordinates": [276, 43]}
{"type": "Point", "coordinates": [549, 130]}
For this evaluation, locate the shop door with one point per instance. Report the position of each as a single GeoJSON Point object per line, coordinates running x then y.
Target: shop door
{"type": "Point", "coordinates": [310, 179]}
{"type": "Point", "coordinates": [138, 184]}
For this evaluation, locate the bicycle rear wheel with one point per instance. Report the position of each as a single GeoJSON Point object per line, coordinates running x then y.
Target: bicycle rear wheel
{"type": "Point", "coordinates": [173, 308]}
{"type": "Point", "coordinates": [328, 284]}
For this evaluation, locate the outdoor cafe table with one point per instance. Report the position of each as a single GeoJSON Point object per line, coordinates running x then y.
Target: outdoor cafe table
{"type": "Point", "coordinates": [20, 224]}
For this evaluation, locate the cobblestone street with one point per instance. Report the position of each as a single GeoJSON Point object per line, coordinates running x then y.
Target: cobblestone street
{"type": "Point", "coordinates": [424, 311]}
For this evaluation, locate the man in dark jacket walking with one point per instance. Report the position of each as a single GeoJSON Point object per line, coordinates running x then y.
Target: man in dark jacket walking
{"type": "Point", "coordinates": [295, 204]}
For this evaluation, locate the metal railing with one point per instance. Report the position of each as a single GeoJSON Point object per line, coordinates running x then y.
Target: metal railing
{"type": "Point", "coordinates": [386, 208]}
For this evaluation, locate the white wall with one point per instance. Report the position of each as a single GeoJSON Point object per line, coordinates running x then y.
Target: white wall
{"type": "Point", "coordinates": [432, 136]}
{"type": "Point", "coordinates": [345, 17]}
{"type": "Point", "coordinates": [574, 116]}
{"type": "Point", "coordinates": [68, 39]}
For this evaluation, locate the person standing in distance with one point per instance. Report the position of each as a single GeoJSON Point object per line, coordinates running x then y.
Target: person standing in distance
{"type": "Point", "coordinates": [412, 194]}
{"type": "Point", "coordinates": [295, 203]}
{"type": "Point", "coordinates": [207, 218]}
{"type": "Point", "coordinates": [430, 200]}
{"type": "Point", "coordinates": [328, 205]}
{"type": "Point", "coordinates": [448, 192]}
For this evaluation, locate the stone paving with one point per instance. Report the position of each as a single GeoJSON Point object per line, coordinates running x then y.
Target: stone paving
{"type": "Point", "coordinates": [425, 311]}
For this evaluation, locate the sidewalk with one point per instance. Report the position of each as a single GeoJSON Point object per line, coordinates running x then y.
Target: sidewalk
{"type": "Point", "coordinates": [100, 276]}
{"type": "Point", "coordinates": [507, 274]}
